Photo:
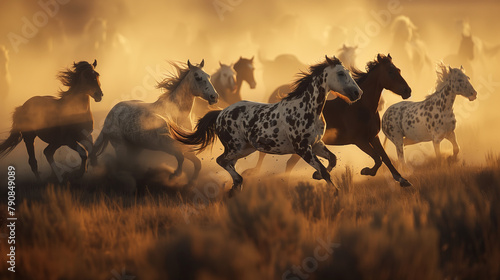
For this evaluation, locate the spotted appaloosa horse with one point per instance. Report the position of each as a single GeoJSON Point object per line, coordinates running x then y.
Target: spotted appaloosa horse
{"type": "Point", "coordinates": [132, 126]}
{"type": "Point", "coordinates": [295, 125]}
{"type": "Point", "coordinates": [359, 123]}
{"type": "Point", "coordinates": [432, 119]}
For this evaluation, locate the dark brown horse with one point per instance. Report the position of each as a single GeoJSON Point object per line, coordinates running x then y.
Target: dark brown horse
{"type": "Point", "coordinates": [63, 121]}
{"type": "Point", "coordinates": [359, 123]}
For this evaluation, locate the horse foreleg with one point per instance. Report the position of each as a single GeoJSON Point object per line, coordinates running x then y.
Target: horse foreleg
{"type": "Point", "coordinates": [437, 148]}
{"type": "Point", "coordinates": [369, 150]}
{"type": "Point", "coordinates": [290, 164]}
{"type": "Point", "coordinates": [257, 167]}
{"type": "Point", "coordinates": [88, 143]}
{"type": "Point", "coordinates": [453, 139]}
{"type": "Point", "coordinates": [379, 149]}
{"type": "Point", "coordinates": [322, 151]}
{"type": "Point", "coordinates": [308, 155]}
{"type": "Point", "coordinates": [29, 141]}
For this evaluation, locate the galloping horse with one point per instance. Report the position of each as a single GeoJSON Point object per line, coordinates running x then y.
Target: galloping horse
{"type": "Point", "coordinates": [63, 121]}
{"type": "Point", "coordinates": [293, 125]}
{"type": "Point", "coordinates": [132, 126]}
{"type": "Point", "coordinates": [359, 123]}
{"type": "Point", "coordinates": [227, 82]}
{"type": "Point", "coordinates": [432, 119]}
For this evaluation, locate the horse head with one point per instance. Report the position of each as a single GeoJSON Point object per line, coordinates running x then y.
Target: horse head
{"type": "Point", "coordinates": [226, 75]}
{"type": "Point", "coordinates": [462, 83]}
{"type": "Point", "coordinates": [390, 76]}
{"type": "Point", "coordinates": [245, 71]}
{"type": "Point", "coordinates": [200, 84]}
{"type": "Point", "coordinates": [339, 80]}
{"type": "Point", "coordinates": [90, 78]}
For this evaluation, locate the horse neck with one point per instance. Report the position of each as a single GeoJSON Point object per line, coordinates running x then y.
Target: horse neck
{"type": "Point", "coordinates": [316, 98]}
{"type": "Point", "coordinates": [181, 98]}
{"type": "Point", "coordinates": [78, 99]}
{"type": "Point", "coordinates": [239, 83]}
{"type": "Point", "coordinates": [217, 83]}
{"type": "Point", "coordinates": [446, 94]}
{"type": "Point", "coordinates": [372, 90]}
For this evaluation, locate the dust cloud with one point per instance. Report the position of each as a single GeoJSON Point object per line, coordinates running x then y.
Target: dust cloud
{"type": "Point", "coordinates": [133, 40]}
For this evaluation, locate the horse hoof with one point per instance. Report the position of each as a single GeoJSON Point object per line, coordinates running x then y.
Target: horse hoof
{"type": "Point", "coordinates": [367, 172]}
{"type": "Point", "coordinates": [317, 176]}
{"type": "Point", "coordinates": [404, 183]}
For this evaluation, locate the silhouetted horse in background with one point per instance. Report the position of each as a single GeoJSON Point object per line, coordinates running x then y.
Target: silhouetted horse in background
{"type": "Point", "coordinates": [281, 70]}
{"type": "Point", "coordinates": [359, 123]}
{"type": "Point", "coordinates": [63, 121]}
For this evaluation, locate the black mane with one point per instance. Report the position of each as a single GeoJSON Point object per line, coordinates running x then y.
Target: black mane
{"type": "Point", "coordinates": [305, 79]}
{"type": "Point", "coordinates": [360, 76]}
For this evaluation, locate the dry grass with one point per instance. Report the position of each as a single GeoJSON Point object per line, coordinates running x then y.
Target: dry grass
{"type": "Point", "coordinates": [445, 227]}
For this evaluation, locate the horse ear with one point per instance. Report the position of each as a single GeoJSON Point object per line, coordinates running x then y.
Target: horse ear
{"type": "Point", "coordinates": [220, 63]}
{"type": "Point", "coordinates": [449, 68]}
{"type": "Point", "coordinates": [251, 59]}
{"type": "Point", "coordinates": [462, 67]}
{"type": "Point", "coordinates": [95, 63]}
{"type": "Point", "coordinates": [389, 56]}
{"type": "Point", "coordinates": [202, 63]}
{"type": "Point", "coordinates": [379, 57]}
{"type": "Point", "coordinates": [189, 64]}
{"type": "Point", "coordinates": [344, 46]}
{"type": "Point", "coordinates": [330, 62]}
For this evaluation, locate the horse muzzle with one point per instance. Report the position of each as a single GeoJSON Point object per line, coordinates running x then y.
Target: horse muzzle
{"type": "Point", "coordinates": [354, 94]}
{"type": "Point", "coordinates": [473, 96]}
{"type": "Point", "coordinates": [406, 93]}
{"type": "Point", "coordinates": [97, 96]}
{"type": "Point", "coordinates": [213, 98]}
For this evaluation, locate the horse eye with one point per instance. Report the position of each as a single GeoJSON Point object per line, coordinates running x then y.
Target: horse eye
{"type": "Point", "coordinates": [341, 74]}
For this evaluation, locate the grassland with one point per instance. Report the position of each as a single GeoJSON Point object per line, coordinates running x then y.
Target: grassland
{"type": "Point", "coordinates": [444, 227]}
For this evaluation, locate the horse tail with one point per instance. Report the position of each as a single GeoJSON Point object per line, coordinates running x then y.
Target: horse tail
{"type": "Point", "coordinates": [203, 135]}
{"type": "Point", "coordinates": [15, 136]}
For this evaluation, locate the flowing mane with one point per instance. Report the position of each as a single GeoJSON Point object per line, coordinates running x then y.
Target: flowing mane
{"type": "Point", "coordinates": [360, 76]}
{"type": "Point", "coordinates": [172, 81]}
{"type": "Point", "coordinates": [305, 79]}
{"type": "Point", "coordinates": [443, 74]}
{"type": "Point", "coordinates": [71, 77]}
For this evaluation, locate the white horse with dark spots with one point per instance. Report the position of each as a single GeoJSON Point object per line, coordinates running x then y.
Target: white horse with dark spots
{"type": "Point", "coordinates": [132, 126]}
{"type": "Point", "coordinates": [295, 125]}
{"type": "Point", "coordinates": [432, 119]}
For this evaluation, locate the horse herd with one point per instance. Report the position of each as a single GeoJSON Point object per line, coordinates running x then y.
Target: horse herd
{"type": "Point", "coordinates": [301, 123]}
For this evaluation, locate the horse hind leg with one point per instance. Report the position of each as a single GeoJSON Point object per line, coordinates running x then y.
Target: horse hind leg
{"type": "Point", "coordinates": [228, 161]}
{"type": "Point", "coordinates": [29, 141]}
{"type": "Point", "coordinates": [83, 156]}
{"type": "Point", "coordinates": [197, 166]}
{"type": "Point", "coordinates": [49, 152]}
